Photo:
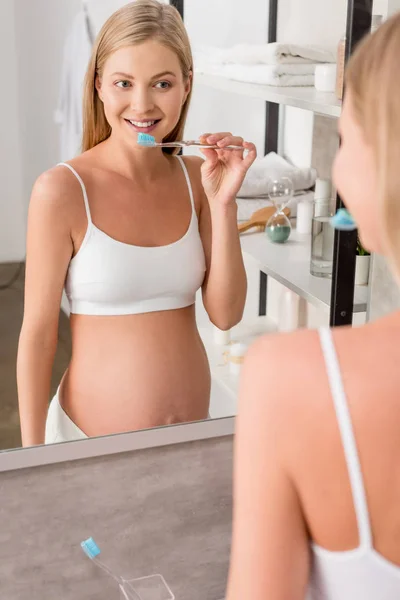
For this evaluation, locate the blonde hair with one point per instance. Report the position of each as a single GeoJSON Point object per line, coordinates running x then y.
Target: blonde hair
{"type": "Point", "coordinates": [373, 79]}
{"type": "Point", "coordinates": [134, 23]}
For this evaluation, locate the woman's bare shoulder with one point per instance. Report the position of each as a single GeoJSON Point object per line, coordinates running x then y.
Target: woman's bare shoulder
{"type": "Point", "coordinates": [295, 348]}
{"type": "Point", "coordinates": [56, 186]}
{"type": "Point", "coordinates": [292, 367]}
{"type": "Point", "coordinates": [280, 368]}
{"type": "Point", "coordinates": [303, 345]}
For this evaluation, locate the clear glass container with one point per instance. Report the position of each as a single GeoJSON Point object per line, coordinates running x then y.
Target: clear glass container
{"type": "Point", "coordinates": [153, 587]}
{"type": "Point", "coordinates": [278, 228]}
{"type": "Point", "coordinates": [322, 239]}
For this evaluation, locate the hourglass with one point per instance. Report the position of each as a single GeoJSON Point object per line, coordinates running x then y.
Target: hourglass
{"type": "Point", "coordinates": [280, 192]}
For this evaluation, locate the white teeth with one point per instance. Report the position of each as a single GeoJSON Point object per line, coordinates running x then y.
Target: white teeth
{"type": "Point", "coordinates": [140, 124]}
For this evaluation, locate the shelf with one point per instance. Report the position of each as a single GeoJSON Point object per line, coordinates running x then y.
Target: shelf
{"type": "Point", "coordinates": [307, 98]}
{"type": "Point", "coordinates": [289, 264]}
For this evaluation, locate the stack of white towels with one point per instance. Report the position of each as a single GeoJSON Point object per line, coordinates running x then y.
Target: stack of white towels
{"type": "Point", "coordinates": [254, 192]}
{"type": "Point", "coordinates": [276, 64]}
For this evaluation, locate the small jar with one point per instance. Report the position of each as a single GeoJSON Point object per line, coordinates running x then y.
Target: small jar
{"type": "Point", "coordinates": [325, 78]}
{"type": "Point", "coordinates": [341, 60]}
{"type": "Point", "coordinates": [236, 357]}
{"type": "Point", "coordinates": [221, 337]}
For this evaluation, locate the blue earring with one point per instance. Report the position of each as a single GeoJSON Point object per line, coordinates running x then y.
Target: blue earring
{"type": "Point", "coordinates": [343, 221]}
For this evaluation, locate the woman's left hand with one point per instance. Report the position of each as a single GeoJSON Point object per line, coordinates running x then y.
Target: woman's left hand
{"type": "Point", "coordinates": [223, 171]}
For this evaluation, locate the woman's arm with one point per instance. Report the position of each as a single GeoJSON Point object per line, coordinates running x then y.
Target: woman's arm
{"type": "Point", "coordinates": [49, 250]}
{"type": "Point", "coordinates": [270, 548]}
{"type": "Point", "coordinates": [225, 285]}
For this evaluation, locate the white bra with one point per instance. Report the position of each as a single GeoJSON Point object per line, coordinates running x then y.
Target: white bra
{"type": "Point", "coordinates": [363, 573]}
{"type": "Point", "coordinates": [108, 277]}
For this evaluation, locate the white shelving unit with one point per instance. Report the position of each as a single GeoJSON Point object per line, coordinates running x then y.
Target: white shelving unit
{"type": "Point", "coordinates": [289, 264]}
{"type": "Point", "coordinates": [307, 98]}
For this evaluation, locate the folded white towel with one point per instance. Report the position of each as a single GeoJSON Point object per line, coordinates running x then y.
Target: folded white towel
{"type": "Point", "coordinates": [271, 54]}
{"type": "Point", "coordinates": [276, 75]}
{"type": "Point", "coordinates": [273, 166]}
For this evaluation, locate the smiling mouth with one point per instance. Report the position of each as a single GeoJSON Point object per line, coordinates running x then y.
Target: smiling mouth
{"type": "Point", "coordinates": [143, 126]}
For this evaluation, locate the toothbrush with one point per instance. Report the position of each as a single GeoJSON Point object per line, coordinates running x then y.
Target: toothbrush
{"type": "Point", "coordinates": [145, 139]}
{"type": "Point", "coordinates": [343, 221]}
{"type": "Point", "coordinates": [92, 550]}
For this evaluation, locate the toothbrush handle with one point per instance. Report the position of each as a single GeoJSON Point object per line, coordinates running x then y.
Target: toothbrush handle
{"type": "Point", "coordinates": [219, 148]}
{"type": "Point", "coordinates": [106, 570]}
{"type": "Point", "coordinates": [198, 145]}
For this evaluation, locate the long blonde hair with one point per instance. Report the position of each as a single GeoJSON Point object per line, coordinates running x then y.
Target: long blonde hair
{"type": "Point", "coordinates": [133, 24]}
{"type": "Point", "coordinates": [373, 78]}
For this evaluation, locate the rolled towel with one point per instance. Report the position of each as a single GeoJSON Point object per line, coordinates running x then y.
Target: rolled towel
{"type": "Point", "coordinates": [274, 53]}
{"type": "Point", "coordinates": [274, 75]}
{"type": "Point", "coordinates": [273, 166]}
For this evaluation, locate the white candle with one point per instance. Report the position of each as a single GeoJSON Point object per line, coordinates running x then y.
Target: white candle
{"type": "Point", "coordinates": [236, 356]}
{"type": "Point", "coordinates": [323, 189]}
{"type": "Point", "coordinates": [221, 338]}
{"type": "Point", "coordinates": [305, 213]}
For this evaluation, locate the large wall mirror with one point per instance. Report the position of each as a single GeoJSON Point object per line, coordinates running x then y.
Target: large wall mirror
{"type": "Point", "coordinates": [128, 369]}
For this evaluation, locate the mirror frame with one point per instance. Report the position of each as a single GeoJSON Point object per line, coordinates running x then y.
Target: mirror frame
{"type": "Point", "coordinates": [35, 456]}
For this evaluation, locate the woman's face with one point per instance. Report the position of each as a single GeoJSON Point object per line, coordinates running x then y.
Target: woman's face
{"type": "Point", "coordinates": [355, 177]}
{"type": "Point", "coordinates": [142, 90]}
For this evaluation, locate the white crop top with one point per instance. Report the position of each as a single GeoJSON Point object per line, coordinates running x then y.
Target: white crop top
{"type": "Point", "coordinates": [108, 277]}
{"type": "Point", "coordinates": [363, 573]}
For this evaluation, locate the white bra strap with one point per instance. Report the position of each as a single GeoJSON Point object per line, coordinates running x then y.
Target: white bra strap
{"type": "Point", "coordinates": [347, 435]}
{"type": "Point", "coordinates": [85, 196]}
{"type": "Point", "coordinates": [187, 181]}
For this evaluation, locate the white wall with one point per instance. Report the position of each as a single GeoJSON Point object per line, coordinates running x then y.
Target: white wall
{"type": "Point", "coordinates": [32, 34]}
{"type": "Point", "coordinates": [224, 23]}
{"type": "Point", "coordinates": [41, 28]}
{"type": "Point", "coordinates": [307, 22]}
{"type": "Point", "coordinates": [11, 206]}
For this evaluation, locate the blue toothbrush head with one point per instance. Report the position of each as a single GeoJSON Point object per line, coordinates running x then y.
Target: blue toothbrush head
{"type": "Point", "coordinates": [90, 548]}
{"type": "Point", "coordinates": [343, 221]}
{"type": "Point", "coordinates": [145, 139]}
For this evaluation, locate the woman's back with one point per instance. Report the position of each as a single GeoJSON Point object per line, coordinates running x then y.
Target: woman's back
{"type": "Point", "coordinates": [366, 379]}
{"type": "Point", "coordinates": [293, 491]}
{"type": "Point", "coordinates": [352, 498]}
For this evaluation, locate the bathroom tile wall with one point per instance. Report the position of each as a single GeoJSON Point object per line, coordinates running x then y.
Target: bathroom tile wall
{"type": "Point", "coordinates": [324, 146]}
{"type": "Point", "coordinates": [163, 510]}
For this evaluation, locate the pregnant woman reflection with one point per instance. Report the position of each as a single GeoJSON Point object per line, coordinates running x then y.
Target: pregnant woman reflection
{"type": "Point", "coordinates": [133, 233]}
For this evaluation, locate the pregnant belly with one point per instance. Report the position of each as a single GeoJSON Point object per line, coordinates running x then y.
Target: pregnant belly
{"type": "Point", "coordinates": [136, 372]}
